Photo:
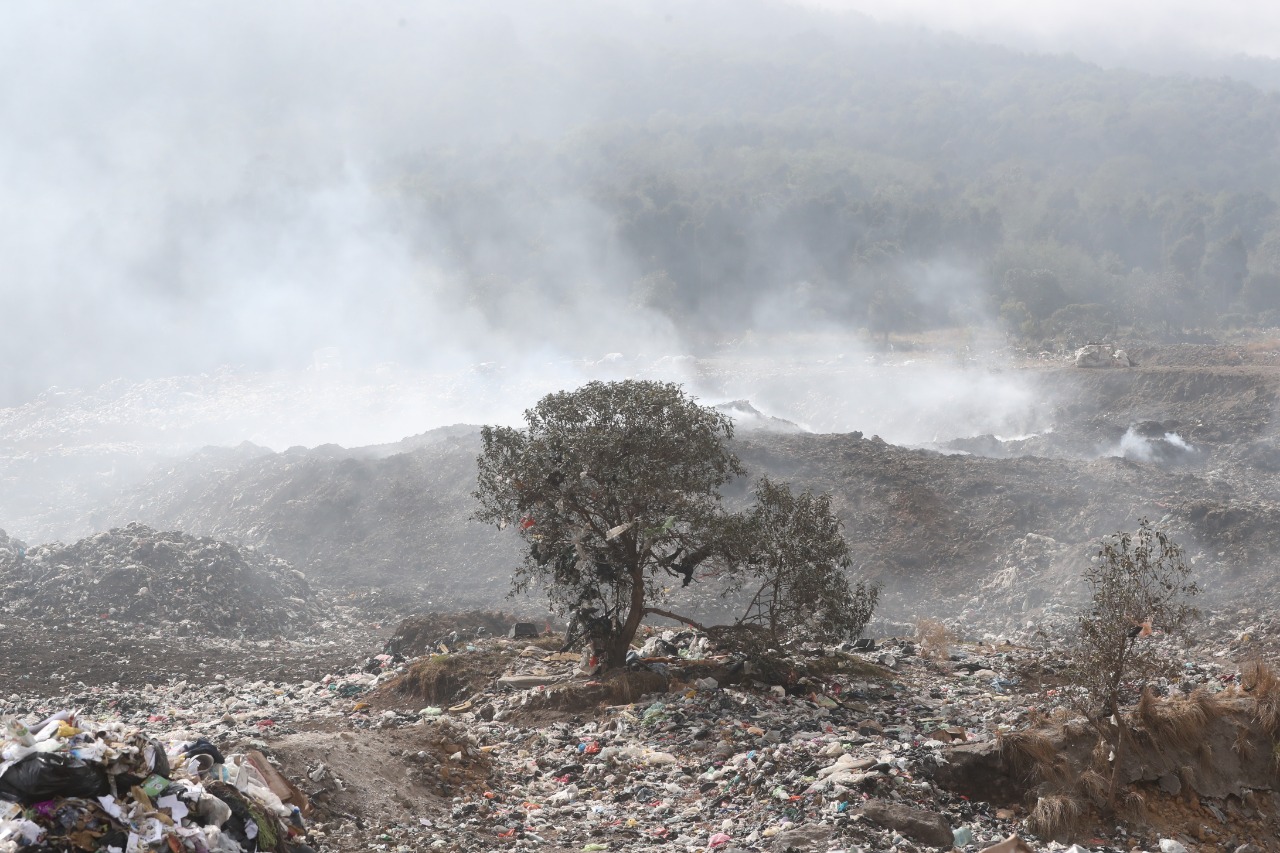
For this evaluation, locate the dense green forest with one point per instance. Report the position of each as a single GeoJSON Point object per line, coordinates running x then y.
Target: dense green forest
{"type": "Point", "coordinates": [882, 177]}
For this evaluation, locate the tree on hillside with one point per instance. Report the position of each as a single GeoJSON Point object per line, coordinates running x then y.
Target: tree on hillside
{"type": "Point", "coordinates": [614, 488]}
{"type": "Point", "coordinates": [798, 567]}
{"type": "Point", "coordinates": [1140, 585]}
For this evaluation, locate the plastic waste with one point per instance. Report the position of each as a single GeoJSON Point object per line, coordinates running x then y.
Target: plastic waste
{"type": "Point", "coordinates": [44, 776]}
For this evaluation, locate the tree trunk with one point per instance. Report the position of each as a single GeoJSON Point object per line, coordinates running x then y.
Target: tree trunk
{"type": "Point", "coordinates": [621, 643]}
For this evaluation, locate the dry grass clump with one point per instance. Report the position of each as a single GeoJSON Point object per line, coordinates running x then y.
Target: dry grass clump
{"type": "Point", "coordinates": [1055, 815]}
{"type": "Point", "coordinates": [1095, 786]}
{"type": "Point", "coordinates": [1261, 683]}
{"type": "Point", "coordinates": [1177, 723]}
{"type": "Point", "coordinates": [1134, 806]}
{"type": "Point", "coordinates": [1242, 746]}
{"type": "Point", "coordinates": [1030, 753]}
{"type": "Point", "coordinates": [935, 639]}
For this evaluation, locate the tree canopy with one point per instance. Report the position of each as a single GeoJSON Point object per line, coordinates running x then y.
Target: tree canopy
{"type": "Point", "coordinates": [615, 489]}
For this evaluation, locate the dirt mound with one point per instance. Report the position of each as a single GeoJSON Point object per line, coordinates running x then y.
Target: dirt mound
{"type": "Point", "coordinates": [385, 776]}
{"type": "Point", "coordinates": [137, 574]}
{"type": "Point", "coordinates": [420, 634]}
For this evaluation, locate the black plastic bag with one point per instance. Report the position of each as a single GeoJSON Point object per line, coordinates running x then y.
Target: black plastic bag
{"type": "Point", "coordinates": [46, 775]}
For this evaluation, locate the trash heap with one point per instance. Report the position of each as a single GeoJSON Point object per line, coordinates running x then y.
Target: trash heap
{"type": "Point", "coordinates": [867, 746]}
{"type": "Point", "coordinates": [70, 784]}
{"type": "Point", "coordinates": [194, 585]}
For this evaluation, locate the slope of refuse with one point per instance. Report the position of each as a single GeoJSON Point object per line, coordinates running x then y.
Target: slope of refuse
{"type": "Point", "coordinates": [898, 743]}
{"type": "Point", "coordinates": [169, 580]}
{"type": "Point", "coordinates": [1185, 438]}
{"type": "Point", "coordinates": [927, 525]}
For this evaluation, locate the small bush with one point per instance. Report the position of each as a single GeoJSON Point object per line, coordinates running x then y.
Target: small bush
{"type": "Point", "coordinates": [935, 639]}
{"type": "Point", "coordinates": [1055, 816]}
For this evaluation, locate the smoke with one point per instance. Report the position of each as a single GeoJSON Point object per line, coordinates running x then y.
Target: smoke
{"type": "Point", "coordinates": [953, 378]}
{"type": "Point", "coordinates": [197, 201]}
{"type": "Point", "coordinates": [189, 188]}
{"type": "Point", "coordinates": [1141, 446]}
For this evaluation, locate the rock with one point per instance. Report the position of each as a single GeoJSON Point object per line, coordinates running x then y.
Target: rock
{"type": "Point", "coordinates": [814, 837]}
{"type": "Point", "coordinates": [1170, 783]}
{"type": "Point", "coordinates": [975, 770]}
{"type": "Point", "coordinates": [1168, 845]}
{"type": "Point", "coordinates": [870, 727]}
{"type": "Point", "coordinates": [917, 824]}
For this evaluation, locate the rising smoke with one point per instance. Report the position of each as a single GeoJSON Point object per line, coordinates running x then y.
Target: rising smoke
{"type": "Point", "coordinates": [261, 190]}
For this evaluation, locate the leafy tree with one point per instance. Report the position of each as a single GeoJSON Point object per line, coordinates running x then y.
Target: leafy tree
{"type": "Point", "coordinates": [614, 488]}
{"type": "Point", "coordinates": [1140, 584]}
{"type": "Point", "coordinates": [798, 563]}
{"type": "Point", "coordinates": [1039, 290]}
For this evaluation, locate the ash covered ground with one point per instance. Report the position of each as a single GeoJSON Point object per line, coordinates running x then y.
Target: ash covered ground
{"type": "Point", "coordinates": [243, 594]}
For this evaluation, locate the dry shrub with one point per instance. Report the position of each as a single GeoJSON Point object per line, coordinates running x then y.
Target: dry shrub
{"type": "Point", "coordinates": [1209, 703]}
{"type": "Point", "coordinates": [1055, 816]}
{"type": "Point", "coordinates": [1176, 723]}
{"type": "Point", "coordinates": [1134, 806]}
{"type": "Point", "coordinates": [1187, 776]}
{"type": "Point", "coordinates": [1243, 746]}
{"type": "Point", "coordinates": [1029, 752]}
{"type": "Point", "coordinates": [1095, 786]}
{"type": "Point", "coordinates": [1263, 686]}
{"type": "Point", "coordinates": [935, 639]}
{"type": "Point", "coordinates": [1101, 754]}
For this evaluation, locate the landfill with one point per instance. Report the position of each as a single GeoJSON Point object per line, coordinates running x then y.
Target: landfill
{"type": "Point", "coordinates": [136, 722]}
{"type": "Point", "coordinates": [512, 745]}
{"type": "Point", "coordinates": [192, 585]}
{"type": "Point", "coordinates": [70, 783]}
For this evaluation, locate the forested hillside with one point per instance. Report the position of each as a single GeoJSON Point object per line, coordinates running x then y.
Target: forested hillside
{"type": "Point", "coordinates": [871, 175]}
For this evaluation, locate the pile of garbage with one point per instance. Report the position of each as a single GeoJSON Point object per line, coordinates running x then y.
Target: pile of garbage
{"type": "Point", "coordinates": [71, 784]}
{"type": "Point", "coordinates": [195, 585]}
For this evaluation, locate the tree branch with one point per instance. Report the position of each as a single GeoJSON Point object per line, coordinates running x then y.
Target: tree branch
{"type": "Point", "coordinates": [657, 611]}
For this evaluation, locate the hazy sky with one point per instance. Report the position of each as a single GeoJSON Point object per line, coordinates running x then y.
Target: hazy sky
{"type": "Point", "coordinates": [1095, 28]}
